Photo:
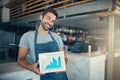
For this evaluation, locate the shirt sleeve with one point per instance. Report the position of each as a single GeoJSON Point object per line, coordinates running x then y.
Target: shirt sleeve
{"type": "Point", "coordinates": [59, 41]}
{"type": "Point", "coordinates": [24, 41]}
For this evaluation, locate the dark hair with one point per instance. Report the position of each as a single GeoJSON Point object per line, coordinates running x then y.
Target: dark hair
{"type": "Point", "coordinates": [50, 10]}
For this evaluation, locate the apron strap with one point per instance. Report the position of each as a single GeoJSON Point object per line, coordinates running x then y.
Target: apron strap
{"type": "Point", "coordinates": [52, 37]}
{"type": "Point", "coordinates": [35, 42]}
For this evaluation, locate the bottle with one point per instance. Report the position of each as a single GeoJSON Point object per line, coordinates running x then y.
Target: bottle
{"type": "Point", "coordinates": [89, 50]}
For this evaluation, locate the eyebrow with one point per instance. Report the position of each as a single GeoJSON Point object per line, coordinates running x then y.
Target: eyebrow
{"type": "Point", "coordinates": [50, 18]}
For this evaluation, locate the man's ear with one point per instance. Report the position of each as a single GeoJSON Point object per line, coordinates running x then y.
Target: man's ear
{"type": "Point", "coordinates": [41, 17]}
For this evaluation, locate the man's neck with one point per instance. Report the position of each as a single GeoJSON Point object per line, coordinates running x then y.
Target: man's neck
{"type": "Point", "coordinates": [41, 31]}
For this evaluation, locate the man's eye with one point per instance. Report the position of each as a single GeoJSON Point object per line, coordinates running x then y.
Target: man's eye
{"type": "Point", "coordinates": [48, 18]}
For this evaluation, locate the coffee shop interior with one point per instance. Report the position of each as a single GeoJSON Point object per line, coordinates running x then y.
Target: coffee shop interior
{"type": "Point", "coordinates": [94, 21]}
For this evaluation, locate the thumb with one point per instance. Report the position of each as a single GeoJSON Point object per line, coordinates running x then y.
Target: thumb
{"type": "Point", "coordinates": [36, 64]}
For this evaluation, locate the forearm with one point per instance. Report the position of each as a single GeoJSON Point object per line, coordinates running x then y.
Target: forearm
{"type": "Point", "coordinates": [66, 60]}
{"type": "Point", "coordinates": [66, 57]}
{"type": "Point", "coordinates": [23, 63]}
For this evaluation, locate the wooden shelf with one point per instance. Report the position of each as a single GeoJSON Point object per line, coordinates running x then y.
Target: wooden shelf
{"type": "Point", "coordinates": [32, 7]}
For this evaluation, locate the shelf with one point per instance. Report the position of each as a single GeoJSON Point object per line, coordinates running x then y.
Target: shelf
{"type": "Point", "coordinates": [69, 34]}
{"type": "Point", "coordinates": [32, 7]}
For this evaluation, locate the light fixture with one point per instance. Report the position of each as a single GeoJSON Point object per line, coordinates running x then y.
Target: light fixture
{"type": "Point", "coordinates": [4, 2]}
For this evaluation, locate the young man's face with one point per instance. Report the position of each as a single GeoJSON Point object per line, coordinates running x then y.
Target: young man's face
{"type": "Point", "coordinates": [47, 21]}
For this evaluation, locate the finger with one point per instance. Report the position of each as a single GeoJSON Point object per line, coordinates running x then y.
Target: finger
{"type": "Point", "coordinates": [42, 73]}
{"type": "Point", "coordinates": [38, 61]}
{"type": "Point", "coordinates": [57, 72]}
{"type": "Point", "coordinates": [36, 64]}
{"type": "Point", "coordinates": [60, 71]}
{"type": "Point", "coordinates": [38, 72]}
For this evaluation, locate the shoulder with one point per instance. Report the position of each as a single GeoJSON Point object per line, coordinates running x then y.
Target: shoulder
{"type": "Point", "coordinates": [29, 33]}
{"type": "Point", "coordinates": [54, 34]}
{"type": "Point", "coordinates": [56, 37]}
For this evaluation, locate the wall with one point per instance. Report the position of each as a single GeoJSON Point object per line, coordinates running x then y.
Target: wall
{"type": "Point", "coordinates": [116, 60]}
{"type": "Point", "coordinates": [117, 32]}
{"type": "Point", "coordinates": [116, 68]}
{"type": "Point", "coordinates": [88, 7]}
{"type": "Point", "coordinates": [0, 14]}
{"type": "Point", "coordinates": [6, 37]}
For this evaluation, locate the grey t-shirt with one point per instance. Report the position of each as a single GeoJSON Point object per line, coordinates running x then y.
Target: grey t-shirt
{"type": "Point", "coordinates": [27, 41]}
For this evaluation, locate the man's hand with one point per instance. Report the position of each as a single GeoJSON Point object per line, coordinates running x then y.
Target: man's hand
{"type": "Point", "coordinates": [34, 68]}
{"type": "Point", "coordinates": [60, 72]}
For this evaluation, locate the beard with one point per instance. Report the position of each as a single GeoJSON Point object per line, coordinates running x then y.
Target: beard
{"type": "Point", "coordinates": [46, 26]}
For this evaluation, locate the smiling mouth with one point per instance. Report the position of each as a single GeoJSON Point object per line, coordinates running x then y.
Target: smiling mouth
{"type": "Point", "coordinates": [48, 25]}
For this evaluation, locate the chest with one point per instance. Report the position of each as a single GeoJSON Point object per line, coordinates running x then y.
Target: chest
{"type": "Point", "coordinates": [43, 39]}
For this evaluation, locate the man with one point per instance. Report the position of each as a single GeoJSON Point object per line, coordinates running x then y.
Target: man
{"type": "Point", "coordinates": [40, 41]}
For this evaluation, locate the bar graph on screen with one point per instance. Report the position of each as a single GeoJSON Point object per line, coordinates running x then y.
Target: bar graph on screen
{"type": "Point", "coordinates": [52, 62]}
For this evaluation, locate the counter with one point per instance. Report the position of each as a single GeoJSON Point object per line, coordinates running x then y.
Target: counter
{"type": "Point", "coordinates": [12, 71]}
{"type": "Point", "coordinates": [80, 67]}
{"type": "Point", "coordinates": [84, 67]}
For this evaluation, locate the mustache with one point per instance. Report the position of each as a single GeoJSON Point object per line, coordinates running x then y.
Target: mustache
{"type": "Point", "coordinates": [48, 24]}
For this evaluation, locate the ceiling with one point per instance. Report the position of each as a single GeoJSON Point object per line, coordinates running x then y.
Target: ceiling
{"type": "Point", "coordinates": [12, 3]}
{"type": "Point", "coordinates": [85, 21]}
{"type": "Point", "coordinates": [94, 21]}
{"type": "Point", "coordinates": [89, 21]}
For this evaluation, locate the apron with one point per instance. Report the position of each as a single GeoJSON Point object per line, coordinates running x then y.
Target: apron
{"type": "Point", "coordinates": [48, 47]}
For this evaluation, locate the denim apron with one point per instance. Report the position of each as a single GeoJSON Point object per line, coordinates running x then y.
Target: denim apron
{"type": "Point", "coordinates": [48, 47]}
